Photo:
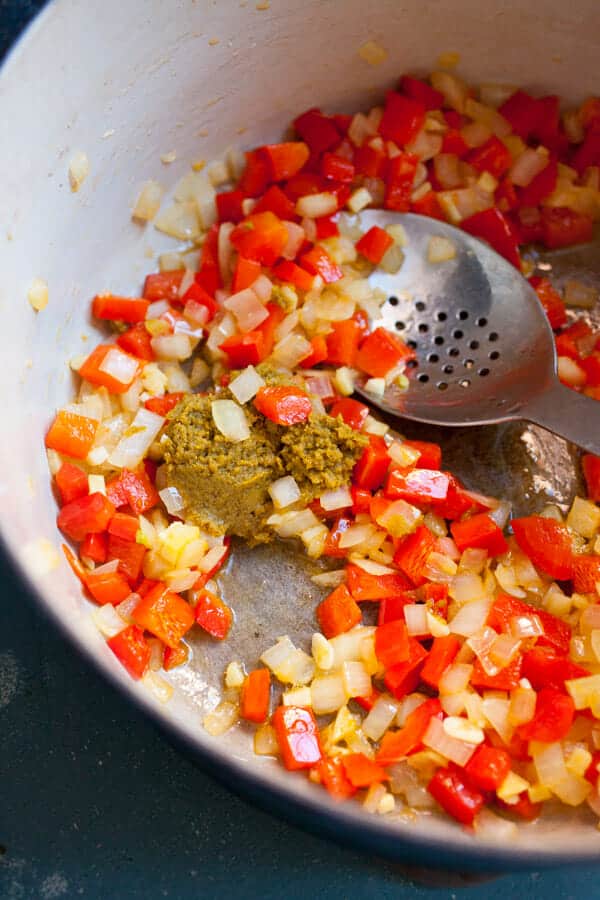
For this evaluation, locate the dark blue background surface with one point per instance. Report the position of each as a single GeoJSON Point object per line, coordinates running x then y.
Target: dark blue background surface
{"type": "Point", "coordinates": [93, 802]}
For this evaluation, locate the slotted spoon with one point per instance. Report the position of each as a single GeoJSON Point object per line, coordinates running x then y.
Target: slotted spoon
{"type": "Point", "coordinates": [485, 350]}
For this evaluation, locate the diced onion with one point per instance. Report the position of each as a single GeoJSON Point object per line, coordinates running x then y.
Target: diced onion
{"type": "Point", "coordinates": [172, 499]}
{"type": "Point", "coordinates": [470, 618]}
{"type": "Point", "coordinates": [340, 498]}
{"type": "Point", "coordinates": [457, 751]}
{"type": "Point", "coordinates": [136, 440]}
{"type": "Point", "coordinates": [493, 828]}
{"type": "Point", "coordinates": [454, 90]}
{"type": "Point", "coordinates": [316, 205]}
{"type": "Point", "coordinates": [180, 220]}
{"type": "Point", "coordinates": [265, 741]}
{"type": "Point", "coordinates": [148, 201]}
{"type": "Point", "coordinates": [120, 366]}
{"type": "Point", "coordinates": [355, 535]}
{"type": "Point", "coordinates": [501, 514]}
{"type": "Point", "coordinates": [320, 386]}
{"type": "Point", "coordinates": [230, 420]}
{"type": "Point", "coordinates": [368, 565]}
{"type": "Point", "coordinates": [108, 621]}
{"type": "Point", "coordinates": [415, 616]}
{"type": "Point", "coordinates": [525, 168]}
{"type": "Point", "coordinates": [348, 646]}
{"type": "Point", "coordinates": [570, 372]}
{"type": "Point", "coordinates": [496, 712]}
{"type": "Point", "coordinates": [328, 694]}
{"type": "Point", "coordinates": [172, 347]}
{"type": "Point", "coordinates": [291, 350]}
{"type": "Point", "coordinates": [440, 249]}
{"type": "Point", "coordinates": [247, 308]}
{"type": "Point", "coordinates": [463, 730]}
{"type": "Point", "coordinates": [221, 719]}
{"type": "Point", "coordinates": [246, 385]}
{"type": "Point", "coordinates": [284, 492]}
{"type": "Point", "coordinates": [38, 294]}
{"type": "Point", "coordinates": [380, 717]}
{"type": "Point", "coordinates": [291, 524]}
{"type": "Point", "coordinates": [296, 237]}
{"type": "Point", "coordinates": [399, 518]}
{"type": "Point", "coordinates": [455, 678]}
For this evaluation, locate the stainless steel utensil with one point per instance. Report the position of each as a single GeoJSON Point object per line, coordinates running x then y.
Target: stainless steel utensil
{"type": "Point", "coordinates": [485, 349]}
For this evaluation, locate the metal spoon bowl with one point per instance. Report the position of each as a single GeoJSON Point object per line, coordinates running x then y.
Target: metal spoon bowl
{"type": "Point", "coordinates": [485, 349]}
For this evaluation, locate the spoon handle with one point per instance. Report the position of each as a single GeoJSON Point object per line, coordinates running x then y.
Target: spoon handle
{"type": "Point", "coordinates": [573, 416]}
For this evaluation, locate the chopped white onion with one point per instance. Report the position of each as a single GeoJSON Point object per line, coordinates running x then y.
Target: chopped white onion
{"type": "Point", "coordinates": [328, 694]}
{"type": "Point", "coordinates": [463, 730]}
{"type": "Point", "coordinates": [349, 645]}
{"type": "Point", "coordinates": [415, 616]}
{"type": "Point", "coordinates": [172, 499]}
{"type": "Point", "coordinates": [455, 678]}
{"type": "Point", "coordinates": [108, 621]}
{"type": "Point", "coordinates": [156, 309]}
{"type": "Point", "coordinates": [357, 681]}
{"type": "Point", "coordinates": [296, 237]}
{"type": "Point", "coordinates": [291, 350]}
{"type": "Point", "coordinates": [247, 308]}
{"type": "Point", "coordinates": [440, 249]}
{"type": "Point", "coordinates": [172, 347]}
{"type": "Point", "coordinates": [292, 524]}
{"type": "Point", "coordinates": [320, 386]}
{"type": "Point", "coordinates": [330, 579]}
{"type": "Point", "coordinates": [136, 440]}
{"type": "Point", "coordinates": [221, 719]}
{"type": "Point", "coordinates": [119, 365]}
{"type": "Point", "coordinates": [470, 618]}
{"type": "Point", "coordinates": [246, 385]}
{"type": "Point", "coordinates": [368, 565]}
{"type": "Point", "coordinates": [526, 166]}
{"type": "Point", "coordinates": [380, 717]}
{"type": "Point", "coordinates": [340, 498]}
{"type": "Point", "coordinates": [180, 220]}
{"type": "Point", "coordinates": [230, 420]}
{"type": "Point", "coordinates": [284, 492]}
{"type": "Point", "coordinates": [148, 201]}
{"type": "Point", "coordinates": [436, 738]}
{"type": "Point", "coordinates": [316, 205]}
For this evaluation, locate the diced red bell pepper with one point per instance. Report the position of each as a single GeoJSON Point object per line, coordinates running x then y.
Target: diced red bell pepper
{"type": "Point", "coordinates": [318, 353]}
{"type": "Point", "coordinates": [130, 555]}
{"type": "Point", "coordinates": [332, 544]}
{"type": "Point", "coordinates": [419, 486]}
{"type": "Point", "coordinates": [457, 502]}
{"type": "Point", "coordinates": [361, 771]}
{"type": "Point", "coordinates": [317, 261]}
{"type": "Point", "coordinates": [479, 531]}
{"type": "Point", "coordinates": [361, 500]}
{"type": "Point", "coordinates": [492, 226]}
{"type": "Point", "coordinates": [553, 717]}
{"type": "Point", "coordinates": [412, 553]}
{"type": "Point", "coordinates": [392, 608]}
{"type": "Point", "coordinates": [401, 171]}
{"type": "Point", "coordinates": [317, 130]}
{"type": "Point", "coordinates": [134, 489]}
{"type": "Point", "coordinates": [86, 515]}
{"type": "Point", "coordinates": [333, 777]}
{"type": "Point", "coordinates": [342, 342]}
{"type": "Point", "coordinates": [367, 703]}
{"type": "Point", "coordinates": [588, 153]}
{"type": "Point", "coordinates": [209, 271]}
{"type": "Point", "coordinates": [285, 159]}
{"type": "Point", "coordinates": [165, 614]}
{"type": "Point", "coordinates": [175, 657]}
{"type": "Point", "coordinates": [120, 309]}
{"type": "Point", "coordinates": [506, 195]}
{"type": "Point", "coordinates": [563, 227]}
{"type": "Point", "coordinates": [551, 300]}
{"type": "Point", "coordinates": [523, 113]}
{"type": "Point", "coordinates": [95, 547]}
{"type": "Point", "coordinates": [229, 206]}
{"type": "Point", "coordinates": [370, 161]}
{"type": "Point", "coordinates": [72, 482]}
{"type": "Point", "coordinates": [245, 274]}
{"type": "Point", "coordinates": [260, 236]}
{"type": "Point", "coordinates": [547, 544]}
{"type": "Point", "coordinates": [591, 366]}
{"type": "Point", "coordinates": [557, 634]}
{"type": "Point", "coordinates": [422, 92]}
{"type": "Point", "coordinates": [545, 668]}
{"type": "Point", "coordinates": [337, 168]}
{"type": "Point", "coordinates": [371, 469]}
{"type": "Point", "coordinates": [326, 227]}
{"type": "Point", "coordinates": [591, 472]}
{"type": "Point", "coordinates": [276, 201]}
{"type": "Point", "coordinates": [132, 650]}
{"type": "Point", "coordinates": [488, 767]}
{"type": "Point", "coordinates": [364, 587]}
{"type": "Point", "coordinates": [523, 808]}
{"type": "Point", "coordinates": [507, 679]}
{"type": "Point", "coordinates": [430, 454]}
{"type": "Point", "coordinates": [428, 205]}
{"type": "Point", "coordinates": [71, 434]}
{"type": "Point", "coordinates": [197, 293]}
{"type": "Point", "coordinates": [297, 736]}
{"type": "Point", "coordinates": [541, 186]}
{"type": "Point", "coordinates": [338, 612]}
{"type": "Point", "coordinates": [163, 285]}
{"type": "Point", "coordinates": [586, 573]}
{"type": "Point", "coordinates": [212, 614]}
{"type": "Point", "coordinates": [92, 371]}
{"type": "Point", "coordinates": [165, 404]}
{"type": "Point", "coordinates": [303, 184]}
{"type": "Point", "coordinates": [451, 790]}
{"type": "Point", "coordinates": [256, 696]}
{"type": "Point", "coordinates": [547, 120]}
{"type": "Point", "coordinates": [403, 678]}
{"type": "Point", "coordinates": [352, 412]}
{"type": "Point", "coordinates": [255, 176]}
{"type": "Point", "coordinates": [123, 526]}
{"type": "Point", "coordinates": [493, 157]}
{"type": "Point", "coordinates": [137, 342]}
{"type": "Point", "coordinates": [443, 650]}
{"type": "Point", "coordinates": [290, 272]}
{"type": "Point", "coordinates": [391, 643]}
{"type": "Point", "coordinates": [107, 587]}
{"type": "Point", "coordinates": [283, 404]}
{"type": "Point", "coordinates": [402, 120]}
{"type": "Point", "coordinates": [374, 244]}
{"type": "Point", "coordinates": [436, 598]}
{"type": "Point", "coordinates": [244, 349]}
{"type": "Point", "coordinates": [382, 351]}
{"type": "Point", "coordinates": [591, 773]}
{"type": "Point", "coordinates": [396, 745]}
{"type": "Point", "coordinates": [453, 142]}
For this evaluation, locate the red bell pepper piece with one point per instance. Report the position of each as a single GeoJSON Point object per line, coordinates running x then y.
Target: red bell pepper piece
{"type": "Point", "coordinates": [591, 773]}
{"type": "Point", "coordinates": [443, 650]}
{"type": "Point", "coordinates": [507, 678]}
{"type": "Point", "coordinates": [430, 454]}
{"type": "Point", "coordinates": [364, 587]}
{"type": "Point", "coordinates": [547, 544]}
{"type": "Point", "coordinates": [326, 227]}
{"type": "Point", "coordinates": [523, 113]}
{"type": "Point", "coordinates": [352, 412]}
{"type": "Point", "coordinates": [137, 342]}
{"type": "Point", "coordinates": [71, 434]}
{"type": "Point", "coordinates": [370, 161]}
{"type": "Point", "coordinates": [396, 745]}
{"type": "Point", "coordinates": [92, 371]}
{"type": "Point", "coordinates": [411, 555]}
{"type": "Point", "coordinates": [591, 366]}
{"type": "Point", "coordinates": [274, 200]}
{"type": "Point", "coordinates": [551, 300]}
{"type": "Point", "coordinates": [586, 573]}
{"type": "Point", "coordinates": [95, 547]}
{"type": "Point", "coordinates": [337, 168]}
{"type": "Point", "coordinates": [545, 668]}
{"type": "Point", "coordinates": [255, 176]}
{"type": "Point", "coordinates": [332, 544]}
{"type": "Point", "coordinates": [401, 171]}
{"type": "Point", "coordinates": [283, 404]}
{"type": "Point", "coordinates": [303, 184]}
{"type": "Point", "coordinates": [338, 612]}
{"type": "Point", "coordinates": [132, 650]}
{"type": "Point", "coordinates": [130, 555]}
{"type": "Point", "coordinates": [212, 614]}
{"type": "Point", "coordinates": [367, 703]}
{"type": "Point", "coordinates": [451, 790]}
{"type": "Point", "coordinates": [317, 130]}
{"type": "Point", "coordinates": [361, 771]}
{"type": "Point", "coordinates": [523, 808]}
{"type": "Point", "coordinates": [175, 657]}
{"type": "Point", "coordinates": [72, 482]}
{"type": "Point", "coordinates": [107, 587]}
{"type": "Point", "coordinates": [123, 526]}
{"type": "Point", "coordinates": [553, 717]}
{"type": "Point", "coordinates": [422, 92]}
{"type": "Point", "coordinates": [428, 205]}
{"type": "Point", "coordinates": [317, 261]}
{"type": "Point", "coordinates": [244, 349]}
{"type": "Point", "coordinates": [493, 157]}
{"type": "Point", "coordinates": [342, 342]}
{"type": "Point", "coordinates": [402, 678]}
{"type": "Point", "coordinates": [288, 271]}
{"type": "Point", "coordinates": [488, 767]}
{"type": "Point", "coordinates": [557, 633]}
{"type": "Point", "coordinates": [479, 531]}
{"type": "Point", "coordinates": [165, 614]}
{"type": "Point", "coordinates": [591, 472]}
{"type": "Point", "coordinates": [285, 159]}
{"type": "Point", "coordinates": [541, 186]}
{"type": "Point", "coordinates": [419, 486]}
{"type": "Point", "coordinates": [506, 195]}
{"type": "Point", "coordinates": [361, 500]}
{"type": "Point", "coordinates": [333, 777]}
{"type": "Point", "coordinates": [163, 285]}
{"type": "Point", "coordinates": [492, 226]}
{"type": "Point", "coordinates": [197, 293]}
{"type": "Point", "coordinates": [256, 696]}
{"type": "Point", "coordinates": [392, 644]}
{"type": "Point", "coordinates": [120, 309]}
{"type": "Point", "coordinates": [318, 353]}
{"type": "Point", "coordinates": [562, 227]}
{"type": "Point", "coordinates": [382, 351]}
{"type": "Point", "coordinates": [134, 489]}
{"type": "Point", "coordinates": [453, 142]}
{"type": "Point", "coordinates": [436, 598]}
{"type": "Point", "coordinates": [374, 244]}
{"type": "Point", "coordinates": [85, 515]}
{"type": "Point", "coordinates": [245, 274]}
{"type": "Point", "coordinates": [392, 608]}
{"type": "Point", "coordinates": [165, 404]}
{"type": "Point", "coordinates": [297, 736]}
{"type": "Point", "coordinates": [402, 120]}
{"type": "Point", "coordinates": [229, 206]}
{"type": "Point", "coordinates": [371, 469]}
{"type": "Point", "coordinates": [457, 501]}
{"type": "Point", "coordinates": [260, 236]}
{"type": "Point", "coordinates": [588, 153]}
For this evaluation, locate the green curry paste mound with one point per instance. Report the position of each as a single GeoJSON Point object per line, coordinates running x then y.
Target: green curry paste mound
{"type": "Point", "coordinates": [224, 485]}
